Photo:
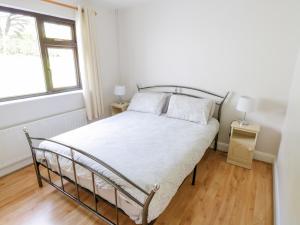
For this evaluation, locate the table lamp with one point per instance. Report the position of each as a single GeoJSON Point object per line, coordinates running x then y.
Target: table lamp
{"type": "Point", "coordinates": [245, 104]}
{"type": "Point", "coordinates": [120, 91]}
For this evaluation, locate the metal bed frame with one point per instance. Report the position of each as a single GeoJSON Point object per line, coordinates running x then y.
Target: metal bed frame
{"type": "Point", "coordinates": [117, 188]}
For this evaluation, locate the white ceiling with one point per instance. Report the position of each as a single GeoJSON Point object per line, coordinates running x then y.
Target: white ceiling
{"type": "Point", "coordinates": [119, 3]}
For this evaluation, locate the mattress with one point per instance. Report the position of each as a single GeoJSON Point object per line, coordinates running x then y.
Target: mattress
{"type": "Point", "coordinates": [146, 148]}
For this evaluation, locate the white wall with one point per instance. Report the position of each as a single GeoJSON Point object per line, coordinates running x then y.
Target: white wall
{"type": "Point", "coordinates": [248, 47]}
{"type": "Point", "coordinates": [27, 110]}
{"type": "Point", "coordinates": [288, 166]}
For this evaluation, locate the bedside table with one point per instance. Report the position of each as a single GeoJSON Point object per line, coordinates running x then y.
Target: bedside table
{"type": "Point", "coordinates": [242, 144]}
{"type": "Point", "coordinates": [118, 107]}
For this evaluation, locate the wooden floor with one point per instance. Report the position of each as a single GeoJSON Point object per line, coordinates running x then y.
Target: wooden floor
{"type": "Point", "coordinates": [223, 195]}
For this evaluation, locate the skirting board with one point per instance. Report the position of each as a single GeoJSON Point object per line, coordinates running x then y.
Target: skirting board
{"type": "Point", "coordinates": [15, 166]}
{"type": "Point", "coordinates": [258, 155]}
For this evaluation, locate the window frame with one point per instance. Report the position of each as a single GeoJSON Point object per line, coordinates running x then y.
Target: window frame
{"type": "Point", "coordinates": [44, 44]}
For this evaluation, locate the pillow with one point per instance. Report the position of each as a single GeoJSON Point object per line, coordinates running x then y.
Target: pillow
{"type": "Point", "coordinates": [148, 102]}
{"type": "Point", "coordinates": [189, 108]}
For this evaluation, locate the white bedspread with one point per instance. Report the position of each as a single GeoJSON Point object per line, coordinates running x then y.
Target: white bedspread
{"type": "Point", "coordinates": [146, 148]}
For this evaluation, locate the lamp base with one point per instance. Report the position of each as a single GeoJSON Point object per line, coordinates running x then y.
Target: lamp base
{"type": "Point", "coordinates": [243, 123]}
{"type": "Point", "coordinates": [120, 100]}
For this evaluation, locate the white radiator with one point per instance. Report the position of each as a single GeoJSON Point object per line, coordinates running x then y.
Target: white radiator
{"type": "Point", "coordinates": [14, 150]}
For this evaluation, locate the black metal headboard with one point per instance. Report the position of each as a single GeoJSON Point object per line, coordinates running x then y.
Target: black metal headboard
{"type": "Point", "coordinates": [183, 90]}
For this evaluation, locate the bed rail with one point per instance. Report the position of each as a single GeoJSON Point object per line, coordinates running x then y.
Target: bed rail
{"type": "Point", "coordinates": [195, 93]}
{"type": "Point", "coordinates": [94, 173]}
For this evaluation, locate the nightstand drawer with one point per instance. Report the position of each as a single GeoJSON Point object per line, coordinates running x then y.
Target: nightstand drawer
{"type": "Point", "coordinates": [240, 153]}
{"type": "Point", "coordinates": [242, 145]}
{"type": "Point", "coordinates": [244, 142]}
{"type": "Point", "coordinates": [118, 107]}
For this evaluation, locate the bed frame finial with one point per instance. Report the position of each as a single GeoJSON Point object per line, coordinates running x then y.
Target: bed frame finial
{"type": "Point", "coordinates": [25, 130]}
{"type": "Point", "coordinates": [156, 187]}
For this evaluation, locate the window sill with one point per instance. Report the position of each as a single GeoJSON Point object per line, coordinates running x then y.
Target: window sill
{"type": "Point", "coordinates": [39, 97]}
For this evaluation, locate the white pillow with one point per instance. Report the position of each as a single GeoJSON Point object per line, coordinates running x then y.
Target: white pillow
{"type": "Point", "coordinates": [149, 102]}
{"type": "Point", "coordinates": [189, 108]}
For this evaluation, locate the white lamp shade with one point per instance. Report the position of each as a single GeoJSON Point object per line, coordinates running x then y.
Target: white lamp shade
{"type": "Point", "coordinates": [120, 90]}
{"type": "Point", "coordinates": [245, 104]}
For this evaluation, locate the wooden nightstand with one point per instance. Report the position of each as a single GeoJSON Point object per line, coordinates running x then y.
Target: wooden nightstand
{"type": "Point", "coordinates": [118, 107]}
{"type": "Point", "coordinates": [242, 144]}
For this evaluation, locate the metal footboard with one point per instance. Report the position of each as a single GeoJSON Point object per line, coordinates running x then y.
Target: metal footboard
{"type": "Point", "coordinates": [117, 188]}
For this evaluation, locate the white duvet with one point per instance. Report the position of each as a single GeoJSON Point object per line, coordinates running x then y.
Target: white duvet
{"type": "Point", "coordinates": [146, 148]}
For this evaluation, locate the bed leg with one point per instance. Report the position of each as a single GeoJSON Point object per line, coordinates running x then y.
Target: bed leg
{"type": "Point", "coordinates": [194, 175]}
{"type": "Point", "coordinates": [38, 176]}
{"type": "Point", "coordinates": [216, 142]}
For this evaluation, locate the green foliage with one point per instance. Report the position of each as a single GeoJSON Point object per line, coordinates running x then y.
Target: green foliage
{"type": "Point", "coordinates": [17, 34]}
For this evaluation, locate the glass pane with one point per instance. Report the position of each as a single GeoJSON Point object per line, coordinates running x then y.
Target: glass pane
{"type": "Point", "coordinates": [58, 31]}
{"type": "Point", "coordinates": [20, 59]}
{"type": "Point", "coordinates": [62, 65]}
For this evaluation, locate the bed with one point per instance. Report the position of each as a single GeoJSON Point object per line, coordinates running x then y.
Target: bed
{"type": "Point", "coordinates": [135, 161]}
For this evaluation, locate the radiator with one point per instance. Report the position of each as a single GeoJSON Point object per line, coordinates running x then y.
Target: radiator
{"type": "Point", "coordinates": [14, 150]}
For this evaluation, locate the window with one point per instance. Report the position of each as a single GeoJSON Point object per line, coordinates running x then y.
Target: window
{"type": "Point", "coordinates": [38, 54]}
